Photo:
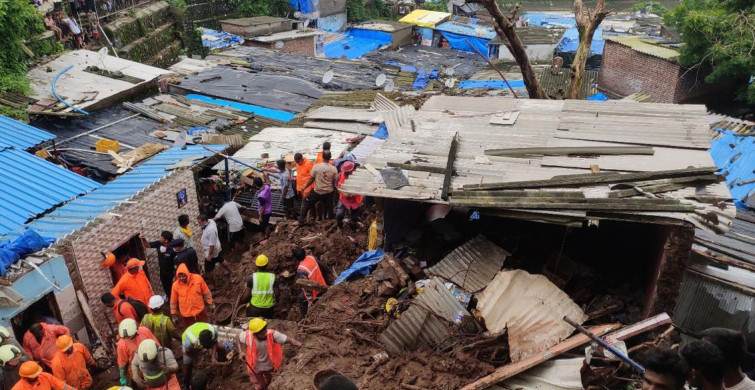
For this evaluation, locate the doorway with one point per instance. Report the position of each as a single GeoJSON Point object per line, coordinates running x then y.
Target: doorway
{"type": "Point", "coordinates": [131, 248]}
{"type": "Point", "coordinates": [43, 310]}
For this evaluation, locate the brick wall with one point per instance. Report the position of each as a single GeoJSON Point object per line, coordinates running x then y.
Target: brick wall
{"type": "Point", "coordinates": [666, 280]}
{"type": "Point", "coordinates": [158, 207]}
{"type": "Point", "coordinates": [303, 45]}
{"type": "Point", "coordinates": [625, 71]}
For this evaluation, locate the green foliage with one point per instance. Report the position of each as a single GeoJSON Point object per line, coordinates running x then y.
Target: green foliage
{"type": "Point", "coordinates": [720, 33]}
{"type": "Point", "coordinates": [19, 21]}
{"type": "Point", "coordinates": [652, 7]}
{"type": "Point", "coordinates": [194, 46]}
{"type": "Point", "coordinates": [249, 8]}
{"type": "Point", "coordinates": [439, 6]}
{"type": "Point", "coordinates": [357, 12]}
{"type": "Point", "coordinates": [179, 4]}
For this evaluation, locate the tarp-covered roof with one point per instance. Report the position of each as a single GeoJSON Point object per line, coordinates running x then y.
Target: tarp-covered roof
{"type": "Point", "coordinates": [425, 18]}
{"type": "Point", "coordinates": [20, 135]}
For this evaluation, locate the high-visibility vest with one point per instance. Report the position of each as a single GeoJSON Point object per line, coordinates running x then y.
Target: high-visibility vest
{"type": "Point", "coordinates": [191, 334]}
{"type": "Point", "coordinates": [274, 350]}
{"type": "Point", "coordinates": [262, 290]}
{"type": "Point", "coordinates": [309, 265]}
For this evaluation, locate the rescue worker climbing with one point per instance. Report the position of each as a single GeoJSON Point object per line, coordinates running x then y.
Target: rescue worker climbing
{"type": "Point", "coordinates": [11, 357]}
{"type": "Point", "coordinates": [129, 337]}
{"type": "Point", "coordinates": [134, 283]}
{"type": "Point", "coordinates": [189, 296]}
{"type": "Point", "coordinates": [155, 367]}
{"type": "Point", "coordinates": [40, 341]}
{"type": "Point", "coordinates": [196, 338]}
{"type": "Point", "coordinates": [308, 269]}
{"type": "Point", "coordinates": [32, 378]}
{"type": "Point", "coordinates": [71, 362]}
{"type": "Point", "coordinates": [264, 353]}
{"type": "Point", "coordinates": [259, 296]}
{"type": "Point", "coordinates": [160, 324]}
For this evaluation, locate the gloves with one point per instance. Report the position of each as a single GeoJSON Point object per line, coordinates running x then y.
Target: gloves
{"type": "Point", "coordinates": [124, 382]}
{"type": "Point", "coordinates": [122, 372]}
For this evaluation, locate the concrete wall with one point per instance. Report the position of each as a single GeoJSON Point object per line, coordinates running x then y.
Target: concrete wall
{"type": "Point", "coordinates": [401, 38]}
{"type": "Point", "coordinates": [625, 71]}
{"type": "Point", "coordinates": [332, 23]}
{"type": "Point", "coordinates": [303, 45]}
{"type": "Point", "coordinates": [257, 29]}
{"type": "Point", "coordinates": [157, 206]}
{"type": "Point", "coordinates": [332, 7]}
{"type": "Point", "coordinates": [542, 53]}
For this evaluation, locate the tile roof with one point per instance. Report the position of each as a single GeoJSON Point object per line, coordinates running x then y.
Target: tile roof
{"type": "Point", "coordinates": [32, 186]}
{"type": "Point", "coordinates": [649, 46]}
{"type": "Point", "coordinates": [20, 135]}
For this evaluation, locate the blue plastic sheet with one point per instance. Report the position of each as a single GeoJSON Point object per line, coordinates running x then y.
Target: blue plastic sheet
{"type": "Point", "coordinates": [305, 6]}
{"type": "Point", "coordinates": [6, 259]}
{"type": "Point", "coordinates": [358, 43]}
{"type": "Point", "coordinates": [215, 39]}
{"type": "Point", "coordinates": [723, 150]}
{"type": "Point", "coordinates": [462, 42]}
{"type": "Point", "coordinates": [282, 116]}
{"type": "Point", "coordinates": [494, 84]}
{"type": "Point", "coordinates": [570, 42]}
{"type": "Point", "coordinates": [362, 266]}
{"type": "Point", "coordinates": [382, 131]}
{"type": "Point", "coordinates": [403, 67]}
{"type": "Point", "coordinates": [26, 244]}
{"type": "Point", "coordinates": [600, 96]}
{"type": "Point", "coordinates": [423, 78]}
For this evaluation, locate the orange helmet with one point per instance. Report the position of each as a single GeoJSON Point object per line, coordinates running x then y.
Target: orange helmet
{"type": "Point", "coordinates": [30, 369]}
{"type": "Point", "coordinates": [109, 260]}
{"type": "Point", "coordinates": [64, 342]}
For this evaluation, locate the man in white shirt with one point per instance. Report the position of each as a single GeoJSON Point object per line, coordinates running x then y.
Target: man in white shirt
{"type": "Point", "coordinates": [230, 212]}
{"type": "Point", "coordinates": [211, 245]}
{"type": "Point", "coordinates": [733, 346]}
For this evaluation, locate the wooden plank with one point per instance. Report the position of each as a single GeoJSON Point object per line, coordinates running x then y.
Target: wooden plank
{"type": "Point", "coordinates": [565, 151]}
{"type": "Point", "coordinates": [419, 167]}
{"type": "Point", "coordinates": [519, 193]}
{"type": "Point", "coordinates": [510, 370]}
{"type": "Point", "coordinates": [639, 328]}
{"type": "Point", "coordinates": [450, 167]}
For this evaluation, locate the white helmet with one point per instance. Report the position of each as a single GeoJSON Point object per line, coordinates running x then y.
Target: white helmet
{"type": "Point", "coordinates": [4, 334]}
{"type": "Point", "coordinates": [127, 328]}
{"type": "Point", "coordinates": [147, 350]}
{"type": "Point", "coordinates": [8, 353]}
{"type": "Point", "coordinates": [156, 302]}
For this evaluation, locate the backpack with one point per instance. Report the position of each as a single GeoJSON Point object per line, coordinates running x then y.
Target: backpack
{"type": "Point", "coordinates": [139, 307]}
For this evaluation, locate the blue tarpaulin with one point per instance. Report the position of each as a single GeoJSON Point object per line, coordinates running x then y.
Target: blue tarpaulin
{"type": "Point", "coordinates": [735, 156]}
{"type": "Point", "coordinates": [362, 266]}
{"type": "Point", "coordinates": [457, 34]}
{"type": "Point", "coordinates": [26, 244]}
{"type": "Point", "coordinates": [282, 116]}
{"type": "Point", "coordinates": [494, 84]}
{"type": "Point", "coordinates": [462, 42]}
{"type": "Point", "coordinates": [423, 78]}
{"type": "Point", "coordinates": [381, 132]}
{"type": "Point", "coordinates": [305, 6]}
{"type": "Point", "coordinates": [403, 67]}
{"type": "Point", "coordinates": [215, 39]}
{"type": "Point", "coordinates": [600, 96]}
{"type": "Point", "coordinates": [358, 42]}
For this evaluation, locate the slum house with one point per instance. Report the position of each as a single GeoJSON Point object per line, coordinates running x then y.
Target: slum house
{"type": "Point", "coordinates": [467, 34]}
{"type": "Point", "coordinates": [259, 26]}
{"type": "Point", "coordinates": [34, 286]}
{"type": "Point", "coordinates": [531, 161]}
{"type": "Point", "coordinates": [308, 42]}
{"type": "Point", "coordinates": [426, 21]}
{"type": "Point", "coordinates": [328, 15]}
{"type": "Point", "coordinates": [567, 46]}
{"type": "Point", "coordinates": [145, 200]}
{"type": "Point", "coordinates": [539, 44]}
{"type": "Point", "coordinates": [650, 66]}
{"type": "Point", "coordinates": [401, 33]}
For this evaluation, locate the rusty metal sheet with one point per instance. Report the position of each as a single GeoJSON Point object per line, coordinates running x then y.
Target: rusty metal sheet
{"type": "Point", "coordinates": [531, 308]}
{"type": "Point", "coordinates": [471, 266]}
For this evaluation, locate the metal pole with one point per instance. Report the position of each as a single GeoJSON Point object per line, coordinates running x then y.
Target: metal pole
{"type": "Point", "coordinates": [95, 130]}
{"type": "Point", "coordinates": [605, 345]}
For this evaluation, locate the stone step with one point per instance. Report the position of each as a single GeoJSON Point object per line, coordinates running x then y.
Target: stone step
{"type": "Point", "coordinates": [167, 56]}
{"type": "Point", "coordinates": [136, 23]}
{"type": "Point", "coordinates": [147, 47]}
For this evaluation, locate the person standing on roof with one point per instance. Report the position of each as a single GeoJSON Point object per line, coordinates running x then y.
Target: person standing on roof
{"type": "Point", "coordinates": [134, 284]}
{"type": "Point", "coordinates": [232, 215]}
{"type": "Point", "coordinates": [308, 269]}
{"type": "Point", "coordinates": [287, 189]}
{"type": "Point", "coordinates": [211, 244]}
{"type": "Point", "coordinates": [165, 258]}
{"type": "Point", "coordinates": [324, 177]}
{"type": "Point", "coordinates": [11, 357]}
{"type": "Point", "coordinates": [122, 308]}
{"type": "Point", "coordinates": [40, 341]}
{"type": "Point", "coordinates": [303, 174]}
{"type": "Point", "coordinates": [32, 378]}
{"type": "Point", "coordinates": [189, 296]}
{"type": "Point", "coordinates": [160, 324]}
{"type": "Point", "coordinates": [264, 351]}
{"type": "Point", "coordinates": [185, 255]}
{"type": "Point", "coordinates": [130, 335]}
{"type": "Point", "coordinates": [197, 337]}
{"type": "Point", "coordinates": [71, 362]}
{"type": "Point", "coordinates": [154, 367]}
{"type": "Point", "coordinates": [259, 297]}
{"type": "Point", "coordinates": [347, 202]}
{"type": "Point", "coordinates": [183, 231]}
{"type": "Point", "coordinates": [264, 205]}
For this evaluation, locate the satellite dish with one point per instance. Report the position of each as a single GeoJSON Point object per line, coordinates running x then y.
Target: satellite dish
{"type": "Point", "coordinates": [449, 71]}
{"type": "Point", "coordinates": [388, 86]}
{"type": "Point", "coordinates": [279, 45]}
{"type": "Point", "coordinates": [102, 52]}
{"type": "Point", "coordinates": [297, 14]}
{"type": "Point", "coordinates": [327, 77]}
{"type": "Point", "coordinates": [450, 83]}
{"type": "Point", "coordinates": [380, 80]}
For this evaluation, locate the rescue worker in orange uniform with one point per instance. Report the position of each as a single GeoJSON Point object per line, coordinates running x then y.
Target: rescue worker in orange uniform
{"type": "Point", "coordinates": [264, 353]}
{"type": "Point", "coordinates": [325, 148]}
{"type": "Point", "coordinates": [155, 367]}
{"type": "Point", "coordinates": [122, 309]}
{"type": "Point", "coordinates": [40, 341]}
{"type": "Point", "coordinates": [71, 362]}
{"type": "Point", "coordinates": [303, 169]}
{"type": "Point", "coordinates": [308, 269]}
{"type": "Point", "coordinates": [134, 284]}
{"type": "Point", "coordinates": [32, 378]}
{"type": "Point", "coordinates": [130, 335]}
{"type": "Point", "coordinates": [189, 296]}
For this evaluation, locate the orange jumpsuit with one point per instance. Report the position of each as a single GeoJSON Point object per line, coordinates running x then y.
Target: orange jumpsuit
{"type": "Point", "coordinates": [46, 350]}
{"type": "Point", "coordinates": [188, 299]}
{"type": "Point", "coordinates": [134, 286]}
{"type": "Point", "coordinates": [44, 381]}
{"type": "Point", "coordinates": [303, 174]}
{"type": "Point", "coordinates": [126, 348]}
{"type": "Point", "coordinates": [72, 368]}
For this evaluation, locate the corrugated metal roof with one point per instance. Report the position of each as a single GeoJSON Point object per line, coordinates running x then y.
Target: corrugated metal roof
{"type": "Point", "coordinates": [468, 29]}
{"type": "Point", "coordinates": [738, 243]}
{"type": "Point", "coordinates": [420, 324]}
{"type": "Point", "coordinates": [531, 308]}
{"type": "Point", "coordinates": [647, 46]}
{"type": "Point", "coordinates": [555, 82]}
{"type": "Point", "coordinates": [31, 186]}
{"type": "Point", "coordinates": [20, 135]}
{"type": "Point", "coordinates": [471, 266]}
{"type": "Point", "coordinates": [425, 18]}
{"type": "Point", "coordinates": [78, 213]}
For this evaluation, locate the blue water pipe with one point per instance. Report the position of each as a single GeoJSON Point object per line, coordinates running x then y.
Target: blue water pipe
{"type": "Point", "coordinates": [55, 80]}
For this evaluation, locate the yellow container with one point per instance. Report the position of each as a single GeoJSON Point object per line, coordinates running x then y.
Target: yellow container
{"type": "Point", "coordinates": [104, 145]}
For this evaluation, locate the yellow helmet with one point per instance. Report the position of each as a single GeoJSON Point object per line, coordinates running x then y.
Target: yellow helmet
{"type": "Point", "coordinates": [256, 324]}
{"type": "Point", "coordinates": [147, 350]}
{"type": "Point", "coordinates": [127, 328]}
{"type": "Point", "coordinates": [261, 261]}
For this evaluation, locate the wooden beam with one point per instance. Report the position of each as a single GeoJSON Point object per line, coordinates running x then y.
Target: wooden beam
{"type": "Point", "coordinates": [450, 167]}
{"type": "Point", "coordinates": [578, 151]}
{"type": "Point", "coordinates": [640, 327]}
{"type": "Point", "coordinates": [421, 168]}
{"type": "Point", "coordinates": [519, 193]}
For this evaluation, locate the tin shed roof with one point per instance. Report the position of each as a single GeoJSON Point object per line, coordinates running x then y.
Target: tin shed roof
{"type": "Point", "coordinates": [472, 265]}
{"type": "Point", "coordinates": [647, 46]}
{"type": "Point", "coordinates": [20, 135]}
{"type": "Point", "coordinates": [425, 18]}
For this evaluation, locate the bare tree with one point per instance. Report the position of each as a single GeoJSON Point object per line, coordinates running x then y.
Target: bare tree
{"type": "Point", "coordinates": [504, 27]}
{"type": "Point", "coordinates": [587, 23]}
